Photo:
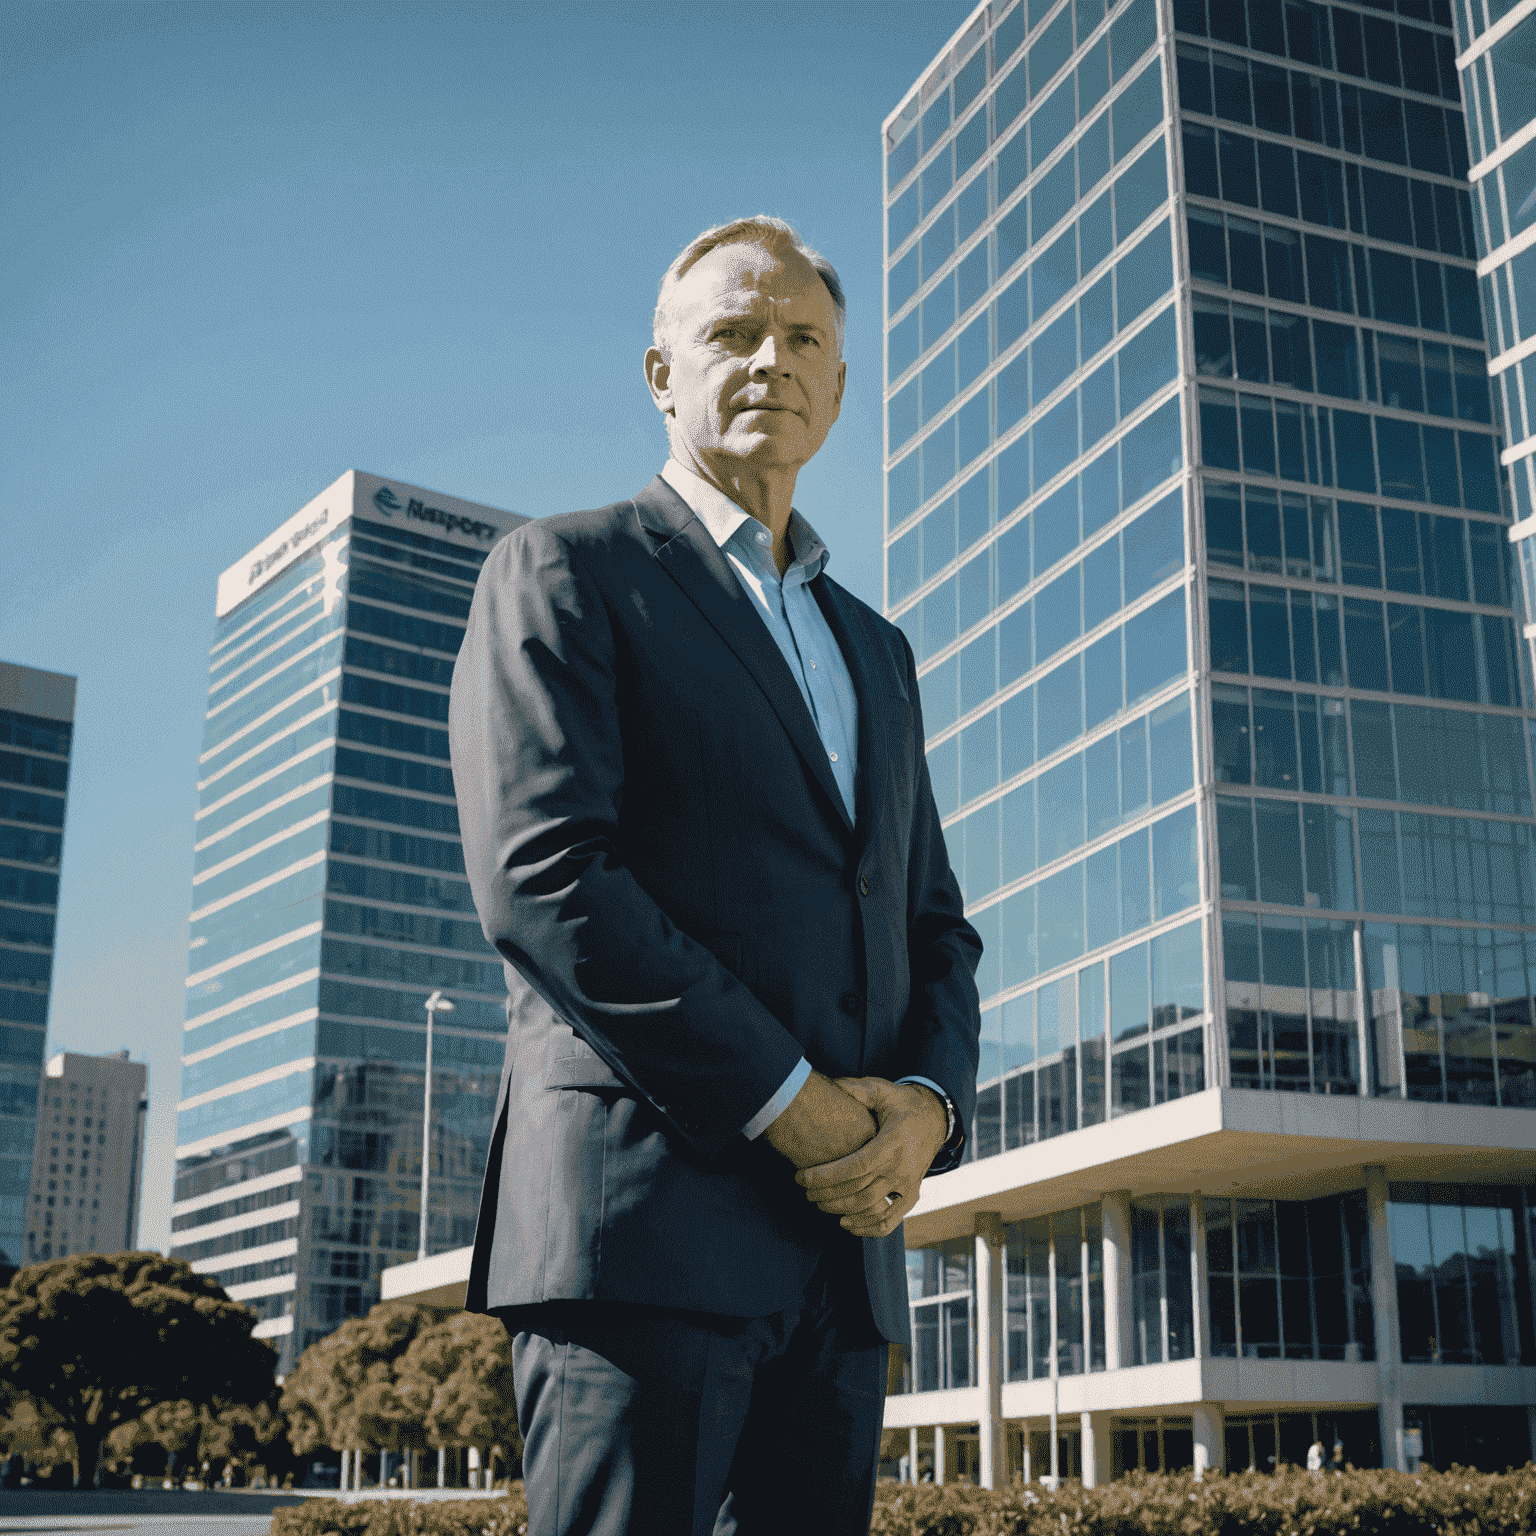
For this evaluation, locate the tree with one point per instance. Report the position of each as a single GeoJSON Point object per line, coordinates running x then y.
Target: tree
{"type": "Point", "coordinates": [102, 1338]}
{"type": "Point", "coordinates": [401, 1380]}
{"type": "Point", "coordinates": [342, 1395]}
{"type": "Point", "coordinates": [457, 1378]}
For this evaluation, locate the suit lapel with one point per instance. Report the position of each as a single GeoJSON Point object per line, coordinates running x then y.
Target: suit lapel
{"type": "Point", "coordinates": [693, 560]}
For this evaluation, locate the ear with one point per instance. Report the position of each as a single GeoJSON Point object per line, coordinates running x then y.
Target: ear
{"type": "Point", "coordinates": [658, 379]}
{"type": "Point", "coordinates": [842, 379]}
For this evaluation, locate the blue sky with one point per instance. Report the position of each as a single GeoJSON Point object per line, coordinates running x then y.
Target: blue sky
{"type": "Point", "coordinates": [246, 247]}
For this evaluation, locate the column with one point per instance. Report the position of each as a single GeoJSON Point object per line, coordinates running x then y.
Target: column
{"type": "Point", "coordinates": [1199, 1277]}
{"type": "Point", "coordinates": [1116, 1207]}
{"type": "Point", "coordinates": [940, 1453]}
{"type": "Point", "coordinates": [1095, 1449]}
{"type": "Point", "coordinates": [1389, 1351]}
{"type": "Point", "coordinates": [442, 1466]}
{"type": "Point", "coordinates": [991, 1283]}
{"type": "Point", "coordinates": [1209, 1427]}
{"type": "Point", "coordinates": [914, 1472]}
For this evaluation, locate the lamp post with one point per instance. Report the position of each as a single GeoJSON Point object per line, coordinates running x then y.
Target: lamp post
{"type": "Point", "coordinates": [435, 1005]}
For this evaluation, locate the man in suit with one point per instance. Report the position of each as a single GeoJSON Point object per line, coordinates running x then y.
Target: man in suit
{"type": "Point", "coordinates": [742, 1024]}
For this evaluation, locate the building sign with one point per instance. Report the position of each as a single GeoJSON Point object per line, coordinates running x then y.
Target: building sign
{"type": "Point", "coordinates": [389, 505]}
{"type": "Point", "coordinates": [357, 494]}
{"type": "Point", "coordinates": [279, 550]}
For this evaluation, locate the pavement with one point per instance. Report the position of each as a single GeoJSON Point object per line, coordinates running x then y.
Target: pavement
{"type": "Point", "coordinates": [240, 1512]}
{"type": "Point", "coordinates": [233, 1512]}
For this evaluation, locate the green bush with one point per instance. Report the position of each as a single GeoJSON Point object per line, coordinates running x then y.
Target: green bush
{"type": "Point", "coordinates": [1289, 1503]}
{"type": "Point", "coordinates": [505, 1516]}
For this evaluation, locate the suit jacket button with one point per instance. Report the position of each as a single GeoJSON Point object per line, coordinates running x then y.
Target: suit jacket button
{"type": "Point", "coordinates": [851, 1002]}
{"type": "Point", "coordinates": [864, 886]}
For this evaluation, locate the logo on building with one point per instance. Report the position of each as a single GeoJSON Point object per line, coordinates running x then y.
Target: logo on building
{"type": "Point", "coordinates": [416, 509]}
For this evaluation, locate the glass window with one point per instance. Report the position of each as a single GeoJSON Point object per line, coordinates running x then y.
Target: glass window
{"type": "Point", "coordinates": [1129, 993]}
{"type": "Point", "coordinates": [1141, 189]}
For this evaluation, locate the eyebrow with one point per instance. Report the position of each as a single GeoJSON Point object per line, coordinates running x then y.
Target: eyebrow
{"type": "Point", "coordinates": [747, 316]}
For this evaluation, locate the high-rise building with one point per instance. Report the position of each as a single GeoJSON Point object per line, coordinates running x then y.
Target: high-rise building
{"type": "Point", "coordinates": [37, 712]}
{"type": "Point", "coordinates": [1497, 59]}
{"type": "Point", "coordinates": [89, 1158]}
{"type": "Point", "coordinates": [1196, 525]}
{"type": "Point", "coordinates": [328, 903]}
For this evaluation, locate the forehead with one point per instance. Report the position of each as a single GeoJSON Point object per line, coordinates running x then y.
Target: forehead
{"type": "Point", "coordinates": [741, 278]}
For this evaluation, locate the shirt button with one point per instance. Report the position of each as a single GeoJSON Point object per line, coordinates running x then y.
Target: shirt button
{"type": "Point", "coordinates": [762, 538]}
{"type": "Point", "coordinates": [833, 756]}
{"type": "Point", "coordinates": [813, 666]}
{"type": "Point", "coordinates": [864, 885]}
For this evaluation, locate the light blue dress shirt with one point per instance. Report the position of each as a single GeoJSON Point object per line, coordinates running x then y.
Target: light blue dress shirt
{"type": "Point", "coordinates": [789, 609]}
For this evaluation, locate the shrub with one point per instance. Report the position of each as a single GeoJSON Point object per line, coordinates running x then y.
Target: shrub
{"type": "Point", "coordinates": [506, 1516]}
{"type": "Point", "coordinates": [1287, 1503]}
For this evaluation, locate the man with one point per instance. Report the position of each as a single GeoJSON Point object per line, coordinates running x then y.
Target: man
{"type": "Point", "coordinates": [742, 1024]}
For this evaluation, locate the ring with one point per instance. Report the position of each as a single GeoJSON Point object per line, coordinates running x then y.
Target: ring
{"type": "Point", "coordinates": [890, 1200]}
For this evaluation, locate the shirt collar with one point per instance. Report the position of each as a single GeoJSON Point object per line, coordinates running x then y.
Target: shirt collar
{"type": "Point", "coordinates": [724, 519]}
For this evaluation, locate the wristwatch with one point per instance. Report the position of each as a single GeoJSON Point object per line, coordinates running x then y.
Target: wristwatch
{"type": "Point", "coordinates": [949, 1118]}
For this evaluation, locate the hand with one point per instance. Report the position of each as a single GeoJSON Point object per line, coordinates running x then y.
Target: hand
{"type": "Point", "coordinates": [912, 1125]}
{"type": "Point", "coordinates": [821, 1123]}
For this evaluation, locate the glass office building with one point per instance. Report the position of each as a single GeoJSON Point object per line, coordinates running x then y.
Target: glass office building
{"type": "Point", "coordinates": [1197, 524]}
{"type": "Point", "coordinates": [328, 902]}
{"type": "Point", "coordinates": [1497, 59]}
{"type": "Point", "coordinates": [37, 713]}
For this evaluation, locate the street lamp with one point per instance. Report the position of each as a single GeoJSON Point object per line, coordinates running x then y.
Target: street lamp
{"type": "Point", "coordinates": [435, 1005]}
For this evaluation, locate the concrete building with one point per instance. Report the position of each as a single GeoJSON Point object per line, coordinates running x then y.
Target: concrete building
{"type": "Point", "coordinates": [90, 1157]}
{"type": "Point", "coordinates": [1197, 526]}
{"type": "Point", "coordinates": [37, 712]}
{"type": "Point", "coordinates": [328, 903]}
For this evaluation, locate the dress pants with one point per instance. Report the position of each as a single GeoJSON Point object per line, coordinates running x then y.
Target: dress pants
{"type": "Point", "coordinates": [656, 1421]}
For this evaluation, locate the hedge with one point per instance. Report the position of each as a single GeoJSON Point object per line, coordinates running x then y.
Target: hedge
{"type": "Point", "coordinates": [1288, 1503]}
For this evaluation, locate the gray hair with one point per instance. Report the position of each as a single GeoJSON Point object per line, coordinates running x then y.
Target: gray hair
{"type": "Point", "coordinates": [762, 229]}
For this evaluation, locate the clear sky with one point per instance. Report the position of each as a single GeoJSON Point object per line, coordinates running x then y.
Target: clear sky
{"type": "Point", "coordinates": [246, 247]}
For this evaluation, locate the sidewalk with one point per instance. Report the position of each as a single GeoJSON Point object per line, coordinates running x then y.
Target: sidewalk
{"type": "Point", "coordinates": [228, 1512]}
{"type": "Point", "coordinates": [238, 1512]}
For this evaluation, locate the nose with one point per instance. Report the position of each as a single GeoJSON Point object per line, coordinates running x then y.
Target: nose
{"type": "Point", "coordinates": [766, 358]}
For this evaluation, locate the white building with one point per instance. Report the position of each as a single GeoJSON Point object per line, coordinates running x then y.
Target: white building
{"type": "Point", "coordinates": [1196, 525]}
{"type": "Point", "coordinates": [89, 1156]}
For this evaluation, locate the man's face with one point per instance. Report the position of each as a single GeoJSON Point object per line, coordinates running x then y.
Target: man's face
{"type": "Point", "coordinates": [754, 378]}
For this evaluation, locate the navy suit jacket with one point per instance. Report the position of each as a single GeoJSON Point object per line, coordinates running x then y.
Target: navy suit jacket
{"type": "Point", "coordinates": [660, 853]}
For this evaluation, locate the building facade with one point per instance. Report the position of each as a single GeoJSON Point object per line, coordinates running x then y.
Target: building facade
{"type": "Point", "coordinates": [90, 1157]}
{"type": "Point", "coordinates": [1497, 59]}
{"type": "Point", "coordinates": [1197, 525]}
{"type": "Point", "coordinates": [328, 903]}
{"type": "Point", "coordinates": [37, 712]}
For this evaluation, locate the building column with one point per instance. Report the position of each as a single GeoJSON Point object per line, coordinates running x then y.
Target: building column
{"type": "Point", "coordinates": [1209, 1426]}
{"type": "Point", "coordinates": [1199, 1277]}
{"type": "Point", "coordinates": [912, 1467]}
{"type": "Point", "coordinates": [1095, 1449]}
{"type": "Point", "coordinates": [940, 1453]}
{"type": "Point", "coordinates": [991, 1284]}
{"type": "Point", "coordinates": [1389, 1350]}
{"type": "Point", "coordinates": [1116, 1209]}
{"type": "Point", "coordinates": [442, 1466]}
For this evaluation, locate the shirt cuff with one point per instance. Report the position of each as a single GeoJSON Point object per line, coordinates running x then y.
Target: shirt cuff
{"type": "Point", "coordinates": [779, 1102]}
{"type": "Point", "coordinates": [949, 1109]}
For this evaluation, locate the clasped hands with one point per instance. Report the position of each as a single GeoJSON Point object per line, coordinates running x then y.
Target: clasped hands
{"type": "Point", "coordinates": [857, 1140]}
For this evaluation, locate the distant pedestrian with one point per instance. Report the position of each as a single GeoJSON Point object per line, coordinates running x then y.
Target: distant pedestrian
{"type": "Point", "coordinates": [1338, 1455]}
{"type": "Point", "coordinates": [1315, 1458]}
